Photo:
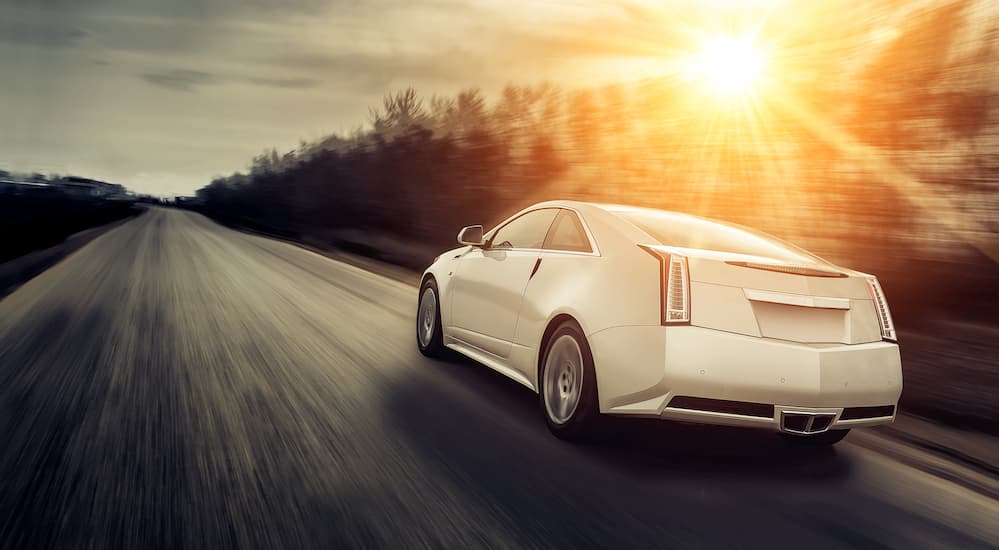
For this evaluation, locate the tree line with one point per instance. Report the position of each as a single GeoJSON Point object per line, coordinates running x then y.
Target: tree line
{"type": "Point", "coordinates": [809, 161]}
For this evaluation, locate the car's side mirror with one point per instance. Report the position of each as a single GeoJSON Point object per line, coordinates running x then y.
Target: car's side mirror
{"type": "Point", "coordinates": [471, 235]}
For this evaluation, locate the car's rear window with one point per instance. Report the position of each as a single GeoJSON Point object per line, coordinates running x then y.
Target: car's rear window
{"type": "Point", "coordinates": [685, 231]}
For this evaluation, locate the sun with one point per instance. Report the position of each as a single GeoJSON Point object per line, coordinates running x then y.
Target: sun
{"type": "Point", "coordinates": [729, 66]}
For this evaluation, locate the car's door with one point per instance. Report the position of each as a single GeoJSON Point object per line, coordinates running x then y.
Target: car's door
{"type": "Point", "coordinates": [488, 283]}
{"type": "Point", "coordinates": [566, 259]}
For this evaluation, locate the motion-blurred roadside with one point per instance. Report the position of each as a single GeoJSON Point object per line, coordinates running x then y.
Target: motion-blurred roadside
{"type": "Point", "coordinates": [43, 218]}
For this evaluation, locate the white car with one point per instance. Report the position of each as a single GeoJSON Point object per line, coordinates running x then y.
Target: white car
{"type": "Point", "coordinates": [618, 310]}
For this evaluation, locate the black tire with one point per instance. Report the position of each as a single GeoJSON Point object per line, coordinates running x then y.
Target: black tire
{"type": "Point", "coordinates": [824, 439]}
{"type": "Point", "coordinates": [581, 422]}
{"type": "Point", "coordinates": [432, 346]}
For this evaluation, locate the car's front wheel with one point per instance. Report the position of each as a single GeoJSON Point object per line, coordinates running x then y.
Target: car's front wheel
{"type": "Point", "coordinates": [429, 337]}
{"type": "Point", "coordinates": [568, 389]}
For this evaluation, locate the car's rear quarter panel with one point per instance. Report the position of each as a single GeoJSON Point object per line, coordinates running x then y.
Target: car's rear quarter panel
{"type": "Point", "coordinates": [618, 287]}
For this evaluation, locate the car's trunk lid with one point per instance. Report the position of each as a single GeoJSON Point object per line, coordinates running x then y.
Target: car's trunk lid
{"type": "Point", "coordinates": [807, 302]}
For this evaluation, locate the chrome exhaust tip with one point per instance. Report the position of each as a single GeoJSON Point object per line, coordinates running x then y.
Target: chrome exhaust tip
{"type": "Point", "coordinates": [805, 423]}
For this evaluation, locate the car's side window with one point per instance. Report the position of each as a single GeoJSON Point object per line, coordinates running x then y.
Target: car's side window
{"type": "Point", "coordinates": [567, 233]}
{"type": "Point", "coordinates": [526, 231]}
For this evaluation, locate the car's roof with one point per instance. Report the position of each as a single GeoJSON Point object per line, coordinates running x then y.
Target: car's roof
{"type": "Point", "coordinates": [623, 222]}
{"type": "Point", "coordinates": [609, 215]}
{"type": "Point", "coordinates": [561, 203]}
{"type": "Point", "coordinates": [612, 208]}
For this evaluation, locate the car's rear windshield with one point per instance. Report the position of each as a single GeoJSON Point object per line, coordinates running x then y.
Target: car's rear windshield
{"type": "Point", "coordinates": [685, 231]}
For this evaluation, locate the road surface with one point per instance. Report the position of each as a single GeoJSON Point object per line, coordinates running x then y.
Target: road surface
{"type": "Point", "coordinates": [178, 384]}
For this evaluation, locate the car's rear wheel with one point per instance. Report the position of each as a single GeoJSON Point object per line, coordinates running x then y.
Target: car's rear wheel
{"type": "Point", "coordinates": [568, 391]}
{"type": "Point", "coordinates": [429, 337]}
{"type": "Point", "coordinates": [824, 439]}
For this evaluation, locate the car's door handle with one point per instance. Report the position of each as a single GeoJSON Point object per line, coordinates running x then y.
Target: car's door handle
{"type": "Point", "coordinates": [537, 264]}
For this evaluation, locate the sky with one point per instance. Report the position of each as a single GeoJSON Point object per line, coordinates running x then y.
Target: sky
{"type": "Point", "coordinates": [162, 96]}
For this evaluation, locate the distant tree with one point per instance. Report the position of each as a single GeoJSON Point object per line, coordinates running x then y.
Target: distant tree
{"type": "Point", "coordinates": [900, 86]}
{"type": "Point", "coordinates": [401, 113]}
{"type": "Point", "coordinates": [470, 111]}
{"type": "Point", "coordinates": [970, 102]}
{"type": "Point", "coordinates": [444, 115]}
{"type": "Point", "coordinates": [583, 122]}
{"type": "Point", "coordinates": [545, 160]}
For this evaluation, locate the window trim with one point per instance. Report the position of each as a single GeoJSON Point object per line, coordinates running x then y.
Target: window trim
{"type": "Point", "coordinates": [594, 250]}
{"type": "Point", "coordinates": [497, 229]}
{"type": "Point", "coordinates": [578, 224]}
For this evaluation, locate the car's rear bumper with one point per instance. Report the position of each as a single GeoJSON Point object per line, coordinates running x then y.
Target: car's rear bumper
{"type": "Point", "coordinates": [703, 375]}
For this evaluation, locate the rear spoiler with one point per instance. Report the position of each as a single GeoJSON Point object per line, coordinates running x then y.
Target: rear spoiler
{"type": "Point", "coordinates": [807, 271]}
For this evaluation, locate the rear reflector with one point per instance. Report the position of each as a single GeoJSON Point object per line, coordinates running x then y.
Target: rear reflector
{"type": "Point", "coordinates": [807, 271]}
{"type": "Point", "coordinates": [858, 413]}
{"type": "Point", "coordinates": [761, 410]}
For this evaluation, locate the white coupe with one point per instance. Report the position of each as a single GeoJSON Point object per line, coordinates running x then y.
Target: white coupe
{"type": "Point", "coordinates": [618, 310]}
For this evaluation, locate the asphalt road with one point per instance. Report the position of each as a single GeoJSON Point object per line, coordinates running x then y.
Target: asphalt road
{"type": "Point", "coordinates": [178, 384]}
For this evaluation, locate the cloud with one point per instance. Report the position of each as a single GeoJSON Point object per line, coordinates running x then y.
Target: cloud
{"type": "Point", "coordinates": [187, 80]}
{"type": "Point", "coordinates": [176, 8]}
{"type": "Point", "coordinates": [180, 80]}
{"type": "Point", "coordinates": [39, 33]}
{"type": "Point", "coordinates": [369, 72]}
{"type": "Point", "coordinates": [176, 26]}
{"type": "Point", "coordinates": [296, 83]}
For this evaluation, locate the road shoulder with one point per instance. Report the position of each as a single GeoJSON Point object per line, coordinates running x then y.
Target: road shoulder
{"type": "Point", "coordinates": [20, 270]}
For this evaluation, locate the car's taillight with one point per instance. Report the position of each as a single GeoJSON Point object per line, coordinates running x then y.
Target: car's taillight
{"type": "Point", "coordinates": [677, 291]}
{"type": "Point", "coordinates": [881, 305]}
{"type": "Point", "coordinates": [675, 287]}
